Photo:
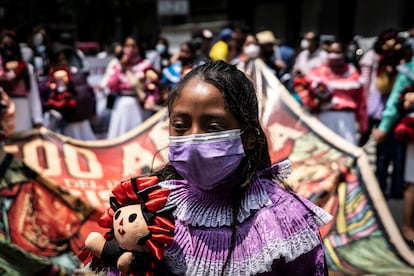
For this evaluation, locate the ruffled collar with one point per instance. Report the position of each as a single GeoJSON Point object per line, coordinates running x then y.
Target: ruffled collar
{"type": "Point", "coordinates": [209, 209]}
{"type": "Point", "coordinates": [272, 227]}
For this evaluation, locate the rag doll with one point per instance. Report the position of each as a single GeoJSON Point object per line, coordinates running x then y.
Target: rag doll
{"type": "Point", "coordinates": [14, 77]}
{"type": "Point", "coordinates": [62, 95]}
{"type": "Point", "coordinates": [141, 226]}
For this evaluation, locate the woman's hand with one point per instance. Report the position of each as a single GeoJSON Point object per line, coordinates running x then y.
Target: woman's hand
{"type": "Point", "coordinates": [124, 263]}
{"type": "Point", "coordinates": [378, 135]}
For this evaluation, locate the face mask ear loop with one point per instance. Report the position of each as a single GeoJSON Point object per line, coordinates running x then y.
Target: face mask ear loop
{"type": "Point", "coordinates": [153, 158]}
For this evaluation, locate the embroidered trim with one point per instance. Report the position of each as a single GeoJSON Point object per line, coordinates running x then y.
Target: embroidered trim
{"type": "Point", "coordinates": [203, 235]}
{"type": "Point", "coordinates": [246, 259]}
{"type": "Point", "coordinates": [201, 209]}
{"type": "Point", "coordinates": [204, 209]}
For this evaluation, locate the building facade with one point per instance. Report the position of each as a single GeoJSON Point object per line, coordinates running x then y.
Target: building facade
{"type": "Point", "coordinates": [107, 21]}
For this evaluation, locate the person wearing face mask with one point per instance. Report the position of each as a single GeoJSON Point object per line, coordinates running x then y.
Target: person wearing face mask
{"type": "Point", "coordinates": [163, 49]}
{"type": "Point", "coordinates": [160, 55]}
{"type": "Point", "coordinates": [126, 83]}
{"type": "Point", "coordinates": [250, 51]}
{"type": "Point", "coordinates": [337, 94]}
{"type": "Point", "coordinates": [310, 56]}
{"type": "Point", "coordinates": [233, 215]}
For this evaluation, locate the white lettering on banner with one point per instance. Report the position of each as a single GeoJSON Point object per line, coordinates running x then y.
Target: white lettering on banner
{"type": "Point", "coordinates": [77, 184]}
{"type": "Point", "coordinates": [94, 197]}
{"type": "Point", "coordinates": [52, 159]}
{"type": "Point", "coordinates": [71, 154]}
{"type": "Point", "coordinates": [86, 184]}
{"type": "Point", "coordinates": [135, 158]}
{"type": "Point", "coordinates": [50, 150]}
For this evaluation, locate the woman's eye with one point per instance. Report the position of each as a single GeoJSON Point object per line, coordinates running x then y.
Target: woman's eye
{"type": "Point", "coordinates": [215, 127]}
{"type": "Point", "coordinates": [179, 126]}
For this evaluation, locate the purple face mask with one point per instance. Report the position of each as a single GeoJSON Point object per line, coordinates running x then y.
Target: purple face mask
{"type": "Point", "coordinates": [206, 159]}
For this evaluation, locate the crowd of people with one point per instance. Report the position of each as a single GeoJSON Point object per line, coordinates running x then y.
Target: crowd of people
{"type": "Point", "coordinates": [363, 95]}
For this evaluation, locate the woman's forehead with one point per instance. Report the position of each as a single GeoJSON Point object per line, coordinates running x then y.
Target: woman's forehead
{"type": "Point", "coordinates": [199, 92]}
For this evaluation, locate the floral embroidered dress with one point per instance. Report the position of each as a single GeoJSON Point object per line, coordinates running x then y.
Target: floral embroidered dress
{"type": "Point", "coordinates": [277, 231]}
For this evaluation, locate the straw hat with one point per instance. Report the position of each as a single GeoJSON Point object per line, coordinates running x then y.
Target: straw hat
{"type": "Point", "coordinates": [266, 37]}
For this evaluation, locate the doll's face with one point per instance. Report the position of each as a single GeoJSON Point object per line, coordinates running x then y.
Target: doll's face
{"type": "Point", "coordinates": [129, 226]}
{"type": "Point", "coordinates": [61, 75]}
{"type": "Point", "coordinates": [11, 65]}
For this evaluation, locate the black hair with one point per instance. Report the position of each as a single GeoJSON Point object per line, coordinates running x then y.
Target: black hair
{"type": "Point", "coordinates": [192, 46]}
{"type": "Point", "coordinates": [138, 42]}
{"type": "Point", "coordinates": [390, 33]}
{"type": "Point", "coordinates": [239, 96]}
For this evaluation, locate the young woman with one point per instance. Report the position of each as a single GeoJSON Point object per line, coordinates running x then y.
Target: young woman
{"type": "Point", "coordinates": [233, 216]}
{"type": "Point", "coordinates": [126, 81]}
{"type": "Point", "coordinates": [338, 94]}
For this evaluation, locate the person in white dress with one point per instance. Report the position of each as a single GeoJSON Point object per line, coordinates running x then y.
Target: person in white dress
{"type": "Point", "coordinates": [125, 80]}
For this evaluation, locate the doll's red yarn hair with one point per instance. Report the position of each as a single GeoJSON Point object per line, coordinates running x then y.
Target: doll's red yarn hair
{"type": "Point", "coordinates": [153, 199]}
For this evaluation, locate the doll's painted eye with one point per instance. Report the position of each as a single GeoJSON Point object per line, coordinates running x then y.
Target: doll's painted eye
{"type": "Point", "coordinates": [132, 218]}
{"type": "Point", "coordinates": [117, 214]}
